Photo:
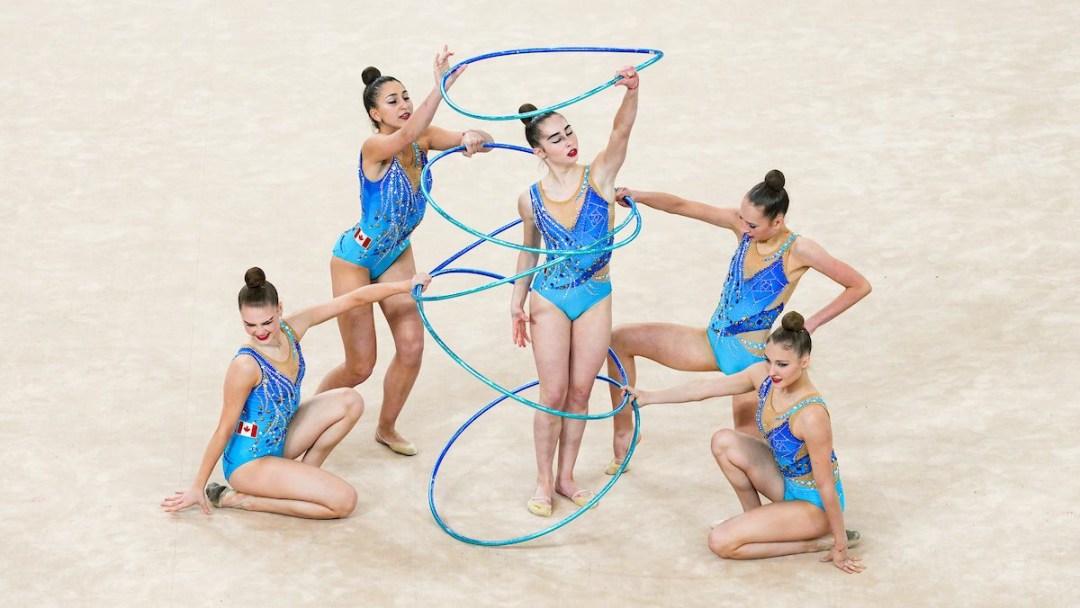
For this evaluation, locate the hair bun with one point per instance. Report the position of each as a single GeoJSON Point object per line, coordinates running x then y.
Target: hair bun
{"type": "Point", "coordinates": [775, 179]}
{"type": "Point", "coordinates": [793, 321]}
{"type": "Point", "coordinates": [525, 108]}
{"type": "Point", "coordinates": [255, 278]}
{"type": "Point", "coordinates": [370, 75]}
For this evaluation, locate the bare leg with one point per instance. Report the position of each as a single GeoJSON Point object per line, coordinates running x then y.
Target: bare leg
{"type": "Point", "coordinates": [321, 423]}
{"type": "Point", "coordinates": [590, 335]}
{"type": "Point", "coordinates": [675, 346]}
{"type": "Point", "coordinates": [749, 467]}
{"type": "Point", "coordinates": [551, 350]}
{"type": "Point", "coordinates": [279, 485]}
{"type": "Point", "coordinates": [744, 414]}
{"type": "Point", "coordinates": [408, 331]}
{"type": "Point", "coordinates": [779, 528]}
{"type": "Point", "coordinates": [357, 329]}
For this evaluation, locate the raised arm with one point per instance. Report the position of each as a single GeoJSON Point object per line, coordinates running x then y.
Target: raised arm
{"type": "Point", "coordinates": [610, 160]}
{"type": "Point", "coordinates": [735, 384]}
{"type": "Point", "coordinates": [813, 426]}
{"type": "Point", "coordinates": [856, 287]}
{"type": "Point", "coordinates": [723, 217]}
{"type": "Point", "coordinates": [380, 148]}
{"type": "Point", "coordinates": [307, 318]}
{"type": "Point", "coordinates": [242, 376]}
{"type": "Point", "coordinates": [526, 260]}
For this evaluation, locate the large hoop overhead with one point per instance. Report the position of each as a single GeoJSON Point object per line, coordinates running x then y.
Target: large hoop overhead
{"type": "Point", "coordinates": [657, 55]}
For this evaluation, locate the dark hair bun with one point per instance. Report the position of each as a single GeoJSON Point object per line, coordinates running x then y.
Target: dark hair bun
{"type": "Point", "coordinates": [524, 108]}
{"type": "Point", "coordinates": [370, 75]}
{"type": "Point", "coordinates": [793, 321]}
{"type": "Point", "coordinates": [775, 179]}
{"type": "Point", "coordinates": [254, 278]}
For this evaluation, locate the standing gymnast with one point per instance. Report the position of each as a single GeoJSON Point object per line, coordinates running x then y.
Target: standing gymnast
{"type": "Point", "coordinates": [764, 271]}
{"type": "Point", "coordinates": [570, 310]}
{"type": "Point", "coordinates": [377, 248]}
{"type": "Point", "coordinates": [797, 470]}
{"type": "Point", "coordinates": [264, 427]}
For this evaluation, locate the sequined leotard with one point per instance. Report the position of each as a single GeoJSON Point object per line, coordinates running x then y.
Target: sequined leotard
{"type": "Point", "coordinates": [269, 408]}
{"type": "Point", "coordinates": [745, 305]}
{"type": "Point", "coordinates": [390, 209]}
{"type": "Point", "coordinates": [578, 283]}
{"type": "Point", "coordinates": [790, 451]}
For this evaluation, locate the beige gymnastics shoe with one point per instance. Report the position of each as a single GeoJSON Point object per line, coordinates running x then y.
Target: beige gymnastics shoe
{"type": "Point", "coordinates": [405, 448]}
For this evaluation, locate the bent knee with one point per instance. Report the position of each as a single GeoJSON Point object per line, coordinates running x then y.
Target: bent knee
{"type": "Point", "coordinates": [724, 442]}
{"type": "Point", "coordinates": [723, 545]}
{"type": "Point", "coordinates": [357, 372]}
{"type": "Point", "coordinates": [352, 404]}
{"type": "Point", "coordinates": [344, 504]}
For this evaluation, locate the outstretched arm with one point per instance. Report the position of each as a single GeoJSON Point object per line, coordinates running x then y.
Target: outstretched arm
{"type": "Point", "coordinates": [724, 217]}
{"type": "Point", "coordinates": [243, 375]}
{"type": "Point", "coordinates": [519, 319]}
{"type": "Point", "coordinates": [735, 384]}
{"type": "Point", "coordinates": [439, 138]}
{"type": "Point", "coordinates": [380, 148]}
{"type": "Point", "coordinates": [309, 317]}
{"type": "Point", "coordinates": [610, 160]}
{"type": "Point", "coordinates": [856, 287]}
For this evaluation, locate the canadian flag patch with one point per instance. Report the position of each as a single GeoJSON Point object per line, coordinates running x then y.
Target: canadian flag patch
{"type": "Point", "coordinates": [362, 239]}
{"type": "Point", "coordinates": [247, 429]}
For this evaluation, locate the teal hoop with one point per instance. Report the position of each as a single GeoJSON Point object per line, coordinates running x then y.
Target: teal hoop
{"type": "Point", "coordinates": [501, 280]}
{"type": "Point", "coordinates": [555, 256]}
{"type": "Point", "coordinates": [657, 55]}
{"type": "Point", "coordinates": [578, 513]}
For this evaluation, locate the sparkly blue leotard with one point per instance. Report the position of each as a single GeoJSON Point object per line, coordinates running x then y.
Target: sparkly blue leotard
{"type": "Point", "coordinates": [744, 306]}
{"type": "Point", "coordinates": [390, 209]}
{"type": "Point", "coordinates": [269, 408]}
{"type": "Point", "coordinates": [790, 451]}
{"type": "Point", "coordinates": [578, 283]}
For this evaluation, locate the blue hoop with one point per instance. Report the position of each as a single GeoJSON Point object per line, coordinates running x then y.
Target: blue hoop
{"type": "Point", "coordinates": [555, 256]}
{"type": "Point", "coordinates": [441, 270]}
{"type": "Point", "coordinates": [578, 513]}
{"type": "Point", "coordinates": [657, 55]}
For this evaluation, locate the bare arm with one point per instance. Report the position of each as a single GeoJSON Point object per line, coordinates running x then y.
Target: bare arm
{"type": "Point", "coordinates": [380, 148]}
{"type": "Point", "coordinates": [243, 375]}
{"type": "Point", "coordinates": [812, 426]}
{"type": "Point", "coordinates": [607, 164]}
{"type": "Point", "coordinates": [735, 384]}
{"type": "Point", "coordinates": [307, 318]}
{"type": "Point", "coordinates": [526, 260]}
{"type": "Point", "coordinates": [724, 217]}
{"type": "Point", "coordinates": [856, 287]}
{"type": "Point", "coordinates": [438, 138]}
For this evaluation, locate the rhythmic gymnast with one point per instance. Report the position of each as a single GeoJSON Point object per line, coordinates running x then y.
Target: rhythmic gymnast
{"type": "Point", "coordinates": [570, 310]}
{"type": "Point", "coordinates": [797, 470]}
{"type": "Point", "coordinates": [764, 271]}
{"type": "Point", "coordinates": [271, 443]}
{"type": "Point", "coordinates": [378, 249]}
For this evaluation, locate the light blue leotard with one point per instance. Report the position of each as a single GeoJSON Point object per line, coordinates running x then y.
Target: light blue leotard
{"type": "Point", "coordinates": [390, 209]}
{"type": "Point", "coordinates": [269, 408]}
{"type": "Point", "coordinates": [578, 283]}
{"type": "Point", "coordinates": [790, 451]}
{"type": "Point", "coordinates": [745, 306]}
